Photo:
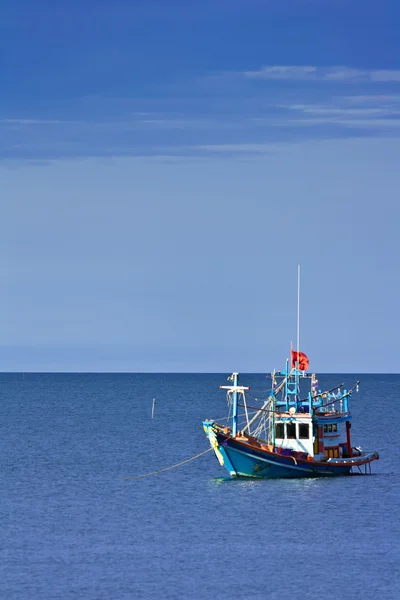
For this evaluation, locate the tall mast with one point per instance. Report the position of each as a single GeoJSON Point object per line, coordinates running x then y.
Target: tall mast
{"type": "Point", "coordinates": [298, 331]}
{"type": "Point", "coordinates": [298, 308]}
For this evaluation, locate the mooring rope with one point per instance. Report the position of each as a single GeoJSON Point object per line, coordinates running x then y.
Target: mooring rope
{"type": "Point", "coordinates": [168, 468]}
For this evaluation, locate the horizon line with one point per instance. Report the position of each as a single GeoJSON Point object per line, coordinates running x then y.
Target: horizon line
{"type": "Point", "coordinates": [185, 373]}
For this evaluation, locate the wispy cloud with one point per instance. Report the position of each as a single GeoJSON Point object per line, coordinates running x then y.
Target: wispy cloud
{"type": "Point", "coordinates": [343, 111]}
{"type": "Point", "coordinates": [30, 121]}
{"type": "Point", "coordinates": [235, 122]}
{"type": "Point", "coordinates": [333, 74]}
{"type": "Point", "coordinates": [347, 112]}
{"type": "Point", "coordinates": [377, 99]}
{"type": "Point", "coordinates": [238, 148]}
{"type": "Point", "coordinates": [137, 121]}
{"type": "Point", "coordinates": [366, 124]}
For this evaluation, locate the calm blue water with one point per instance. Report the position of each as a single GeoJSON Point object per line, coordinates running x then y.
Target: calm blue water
{"type": "Point", "coordinates": [72, 528]}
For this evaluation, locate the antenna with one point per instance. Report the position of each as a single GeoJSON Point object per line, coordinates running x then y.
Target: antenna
{"type": "Point", "coordinates": [298, 309]}
{"type": "Point", "coordinates": [298, 333]}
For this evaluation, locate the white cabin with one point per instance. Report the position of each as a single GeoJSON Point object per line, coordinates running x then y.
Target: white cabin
{"type": "Point", "coordinates": [294, 431]}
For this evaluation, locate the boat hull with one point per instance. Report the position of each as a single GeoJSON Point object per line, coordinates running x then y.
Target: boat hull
{"type": "Point", "coordinates": [245, 458]}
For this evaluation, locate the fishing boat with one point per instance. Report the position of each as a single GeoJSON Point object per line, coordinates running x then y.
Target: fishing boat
{"type": "Point", "coordinates": [293, 434]}
{"type": "Point", "coordinates": [290, 435]}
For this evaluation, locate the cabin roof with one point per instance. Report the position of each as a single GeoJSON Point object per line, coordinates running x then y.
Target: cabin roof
{"type": "Point", "coordinates": [294, 416]}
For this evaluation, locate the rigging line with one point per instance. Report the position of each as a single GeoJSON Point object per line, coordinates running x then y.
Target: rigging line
{"type": "Point", "coordinates": [168, 468]}
{"type": "Point", "coordinates": [218, 419]}
{"type": "Point", "coordinates": [259, 410]}
{"type": "Point", "coordinates": [245, 408]}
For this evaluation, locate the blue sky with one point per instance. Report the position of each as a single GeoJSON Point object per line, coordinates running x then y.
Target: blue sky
{"type": "Point", "coordinates": [164, 167]}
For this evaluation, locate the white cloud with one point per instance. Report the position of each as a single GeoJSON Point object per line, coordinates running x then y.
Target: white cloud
{"type": "Point", "coordinates": [365, 123]}
{"type": "Point", "coordinates": [385, 75]}
{"type": "Point", "coordinates": [342, 74]}
{"type": "Point", "coordinates": [313, 73]}
{"type": "Point", "coordinates": [30, 121]}
{"type": "Point", "coordinates": [284, 72]}
{"type": "Point", "coordinates": [335, 111]}
{"type": "Point", "coordinates": [381, 99]}
{"type": "Point", "coordinates": [245, 148]}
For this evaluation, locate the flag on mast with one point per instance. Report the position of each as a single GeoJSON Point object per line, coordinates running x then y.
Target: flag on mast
{"type": "Point", "coordinates": [301, 359]}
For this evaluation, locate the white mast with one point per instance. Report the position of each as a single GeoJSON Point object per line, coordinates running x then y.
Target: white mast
{"type": "Point", "coordinates": [298, 334]}
{"type": "Point", "coordinates": [298, 309]}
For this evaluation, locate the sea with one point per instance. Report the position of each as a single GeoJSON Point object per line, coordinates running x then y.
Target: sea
{"type": "Point", "coordinates": [77, 523]}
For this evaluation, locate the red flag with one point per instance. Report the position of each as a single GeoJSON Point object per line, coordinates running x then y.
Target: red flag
{"type": "Point", "coordinates": [301, 359]}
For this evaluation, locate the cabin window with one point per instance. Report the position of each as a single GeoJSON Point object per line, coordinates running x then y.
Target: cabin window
{"type": "Point", "coordinates": [279, 431]}
{"type": "Point", "coordinates": [330, 427]}
{"type": "Point", "coordinates": [304, 431]}
{"type": "Point", "coordinates": [291, 431]}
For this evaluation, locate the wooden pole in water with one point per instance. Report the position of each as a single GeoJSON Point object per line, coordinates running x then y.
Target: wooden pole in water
{"type": "Point", "coordinates": [152, 408]}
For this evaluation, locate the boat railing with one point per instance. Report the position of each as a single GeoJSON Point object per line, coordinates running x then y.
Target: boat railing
{"type": "Point", "coordinates": [332, 403]}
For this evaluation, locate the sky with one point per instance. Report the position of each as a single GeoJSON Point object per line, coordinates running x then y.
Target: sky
{"type": "Point", "coordinates": [164, 168]}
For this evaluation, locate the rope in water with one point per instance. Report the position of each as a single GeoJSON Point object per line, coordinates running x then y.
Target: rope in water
{"type": "Point", "coordinates": [168, 468]}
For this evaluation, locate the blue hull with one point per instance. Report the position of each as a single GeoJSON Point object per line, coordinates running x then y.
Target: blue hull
{"type": "Point", "coordinates": [244, 460]}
